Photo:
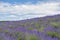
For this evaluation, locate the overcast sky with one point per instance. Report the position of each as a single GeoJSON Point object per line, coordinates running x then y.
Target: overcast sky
{"type": "Point", "coordinates": [25, 9]}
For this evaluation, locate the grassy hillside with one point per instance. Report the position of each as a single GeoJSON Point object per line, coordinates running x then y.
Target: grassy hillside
{"type": "Point", "coordinates": [44, 28]}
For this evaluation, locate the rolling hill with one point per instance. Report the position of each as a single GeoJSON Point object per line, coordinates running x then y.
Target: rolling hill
{"type": "Point", "coordinates": [42, 28]}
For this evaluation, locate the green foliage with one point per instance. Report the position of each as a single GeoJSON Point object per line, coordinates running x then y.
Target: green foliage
{"type": "Point", "coordinates": [16, 34]}
{"type": "Point", "coordinates": [37, 25]}
{"type": "Point", "coordinates": [0, 29]}
{"type": "Point", "coordinates": [52, 19]}
{"type": "Point", "coordinates": [30, 28]}
{"type": "Point", "coordinates": [55, 24]}
{"type": "Point", "coordinates": [10, 26]}
{"type": "Point", "coordinates": [53, 34]}
{"type": "Point", "coordinates": [27, 37]}
{"type": "Point", "coordinates": [19, 35]}
{"type": "Point", "coordinates": [50, 33]}
{"type": "Point", "coordinates": [31, 37]}
{"type": "Point", "coordinates": [25, 24]}
{"type": "Point", "coordinates": [41, 29]}
{"type": "Point", "coordinates": [57, 35]}
{"type": "Point", "coordinates": [6, 31]}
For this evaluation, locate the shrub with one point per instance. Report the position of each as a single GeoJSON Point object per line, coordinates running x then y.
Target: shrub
{"type": "Point", "coordinates": [53, 34]}
{"type": "Point", "coordinates": [31, 37]}
{"type": "Point", "coordinates": [55, 24]}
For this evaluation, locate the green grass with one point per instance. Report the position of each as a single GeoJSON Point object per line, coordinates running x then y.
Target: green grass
{"type": "Point", "coordinates": [53, 34]}
{"type": "Point", "coordinates": [31, 37]}
{"type": "Point", "coordinates": [41, 29]}
{"type": "Point", "coordinates": [55, 24]}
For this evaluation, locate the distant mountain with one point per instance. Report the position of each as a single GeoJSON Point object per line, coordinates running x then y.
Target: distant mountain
{"type": "Point", "coordinates": [42, 28]}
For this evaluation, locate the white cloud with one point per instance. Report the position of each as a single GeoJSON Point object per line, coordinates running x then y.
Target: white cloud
{"type": "Point", "coordinates": [39, 8]}
{"type": "Point", "coordinates": [49, 8]}
{"type": "Point", "coordinates": [12, 16]}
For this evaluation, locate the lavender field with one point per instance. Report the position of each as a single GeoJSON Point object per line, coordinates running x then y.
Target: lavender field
{"type": "Point", "coordinates": [44, 28]}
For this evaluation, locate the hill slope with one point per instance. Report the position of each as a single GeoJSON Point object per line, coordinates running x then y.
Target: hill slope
{"type": "Point", "coordinates": [44, 28]}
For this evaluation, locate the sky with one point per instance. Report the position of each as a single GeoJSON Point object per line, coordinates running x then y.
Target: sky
{"type": "Point", "coordinates": [13, 10]}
